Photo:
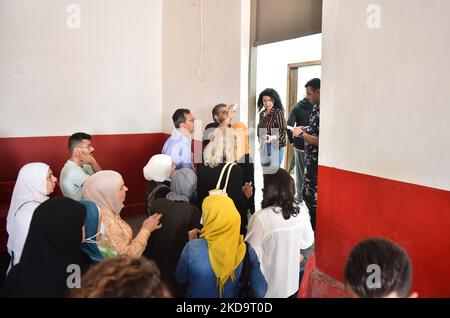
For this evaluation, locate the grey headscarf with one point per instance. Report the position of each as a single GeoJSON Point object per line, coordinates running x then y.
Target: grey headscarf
{"type": "Point", "coordinates": [182, 185]}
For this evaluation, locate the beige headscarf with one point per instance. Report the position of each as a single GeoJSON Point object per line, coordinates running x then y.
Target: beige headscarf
{"type": "Point", "coordinates": [102, 188]}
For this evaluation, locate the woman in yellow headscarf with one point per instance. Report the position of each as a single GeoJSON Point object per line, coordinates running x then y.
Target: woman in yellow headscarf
{"type": "Point", "coordinates": [211, 265]}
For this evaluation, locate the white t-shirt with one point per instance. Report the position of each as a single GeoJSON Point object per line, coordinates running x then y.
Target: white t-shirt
{"type": "Point", "coordinates": [277, 243]}
{"type": "Point", "coordinates": [72, 178]}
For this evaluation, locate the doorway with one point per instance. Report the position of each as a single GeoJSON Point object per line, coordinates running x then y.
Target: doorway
{"type": "Point", "coordinates": [275, 64]}
{"type": "Point", "coordinates": [298, 75]}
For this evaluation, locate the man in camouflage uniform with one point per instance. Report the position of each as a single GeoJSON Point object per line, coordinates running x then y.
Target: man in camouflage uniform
{"type": "Point", "coordinates": [310, 135]}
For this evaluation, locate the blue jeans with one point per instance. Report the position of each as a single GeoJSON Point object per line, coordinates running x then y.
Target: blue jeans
{"type": "Point", "coordinates": [271, 158]}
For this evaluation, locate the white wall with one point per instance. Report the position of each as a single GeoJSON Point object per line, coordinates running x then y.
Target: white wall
{"type": "Point", "coordinates": [385, 92]}
{"type": "Point", "coordinates": [245, 59]}
{"type": "Point", "coordinates": [104, 78]}
{"type": "Point", "coordinates": [273, 60]}
{"type": "Point", "coordinates": [194, 80]}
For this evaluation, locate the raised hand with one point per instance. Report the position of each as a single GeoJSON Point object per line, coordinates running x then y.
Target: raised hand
{"type": "Point", "coordinates": [152, 222]}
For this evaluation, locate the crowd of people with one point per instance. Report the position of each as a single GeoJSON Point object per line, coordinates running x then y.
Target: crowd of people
{"type": "Point", "coordinates": [196, 240]}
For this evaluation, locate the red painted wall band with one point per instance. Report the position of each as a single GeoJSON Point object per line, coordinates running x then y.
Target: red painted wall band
{"type": "Point", "coordinates": [126, 154]}
{"type": "Point", "coordinates": [353, 206]}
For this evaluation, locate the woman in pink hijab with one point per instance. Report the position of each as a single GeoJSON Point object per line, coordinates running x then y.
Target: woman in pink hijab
{"type": "Point", "coordinates": [106, 188]}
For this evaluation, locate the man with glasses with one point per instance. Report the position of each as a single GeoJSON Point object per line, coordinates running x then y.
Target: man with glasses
{"type": "Point", "coordinates": [79, 167]}
{"type": "Point", "coordinates": [178, 146]}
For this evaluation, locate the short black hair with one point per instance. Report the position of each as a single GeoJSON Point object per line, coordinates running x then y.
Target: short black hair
{"type": "Point", "coordinates": [215, 110]}
{"type": "Point", "coordinates": [274, 96]}
{"type": "Point", "coordinates": [76, 139]}
{"type": "Point", "coordinates": [393, 261]}
{"type": "Point", "coordinates": [314, 84]}
{"type": "Point", "coordinates": [179, 117]}
{"type": "Point", "coordinates": [279, 189]}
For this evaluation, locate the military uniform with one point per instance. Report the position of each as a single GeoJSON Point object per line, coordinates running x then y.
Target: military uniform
{"type": "Point", "coordinates": [312, 164]}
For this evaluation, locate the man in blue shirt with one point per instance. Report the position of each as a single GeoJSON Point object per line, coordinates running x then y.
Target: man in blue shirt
{"type": "Point", "coordinates": [178, 146]}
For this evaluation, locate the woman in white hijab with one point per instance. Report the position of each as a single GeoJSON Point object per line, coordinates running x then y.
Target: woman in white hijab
{"type": "Point", "coordinates": [34, 183]}
{"type": "Point", "coordinates": [157, 171]}
{"type": "Point", "coordinates": [106, 188]}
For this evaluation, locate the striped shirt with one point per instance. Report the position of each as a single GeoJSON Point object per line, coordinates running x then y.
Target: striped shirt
{"type": "Point", "coordinates": [273, 121]}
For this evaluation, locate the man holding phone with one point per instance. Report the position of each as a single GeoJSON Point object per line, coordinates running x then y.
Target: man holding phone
{"type": "Point", "coordinates": [310, 135]}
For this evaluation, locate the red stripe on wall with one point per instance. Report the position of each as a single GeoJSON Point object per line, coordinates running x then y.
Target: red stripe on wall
{"type": "Point", "coordinates": [126, 154]}
{"type": "Point", "coordinates": [353, 206]}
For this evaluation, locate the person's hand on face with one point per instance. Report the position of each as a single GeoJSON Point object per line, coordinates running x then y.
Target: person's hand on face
{"type": "Point", "coordinates": [84, 151]}
{"type": "Point", "coordinates": [152, 222]}
{"type": "Point", "coordinates": [85, 158]}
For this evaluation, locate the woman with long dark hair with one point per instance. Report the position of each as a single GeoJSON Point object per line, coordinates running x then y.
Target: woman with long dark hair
{"type": "Point", "coordinates": [271, 128]}
{"type": "Point", "coordinates": [278, 233]}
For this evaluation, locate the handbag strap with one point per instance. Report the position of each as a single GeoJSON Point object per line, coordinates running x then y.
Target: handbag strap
{"type": "Point", "coordinates": [221, 175]}
{"type": "Point", "coordinates": [228, 177]}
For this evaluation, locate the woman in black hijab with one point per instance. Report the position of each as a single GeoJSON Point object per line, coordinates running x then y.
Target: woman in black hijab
{"type": "Point", "coordinates": [53, 243]}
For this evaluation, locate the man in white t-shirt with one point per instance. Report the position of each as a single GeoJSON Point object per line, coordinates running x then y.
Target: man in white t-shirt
{"type": "Point", "coordinates": [79, 167]}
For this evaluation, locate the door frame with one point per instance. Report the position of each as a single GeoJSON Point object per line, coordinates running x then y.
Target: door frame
{"type": "Point", "coordinates": [292, 99]}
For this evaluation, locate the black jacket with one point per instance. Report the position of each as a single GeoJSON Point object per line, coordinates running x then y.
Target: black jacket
{"type": "Point", "coordinates": [207, 178]}
{"type": "Point", "coordinates": [299, 115]}
{"type": "Point", "coordinates": [166, 244]}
